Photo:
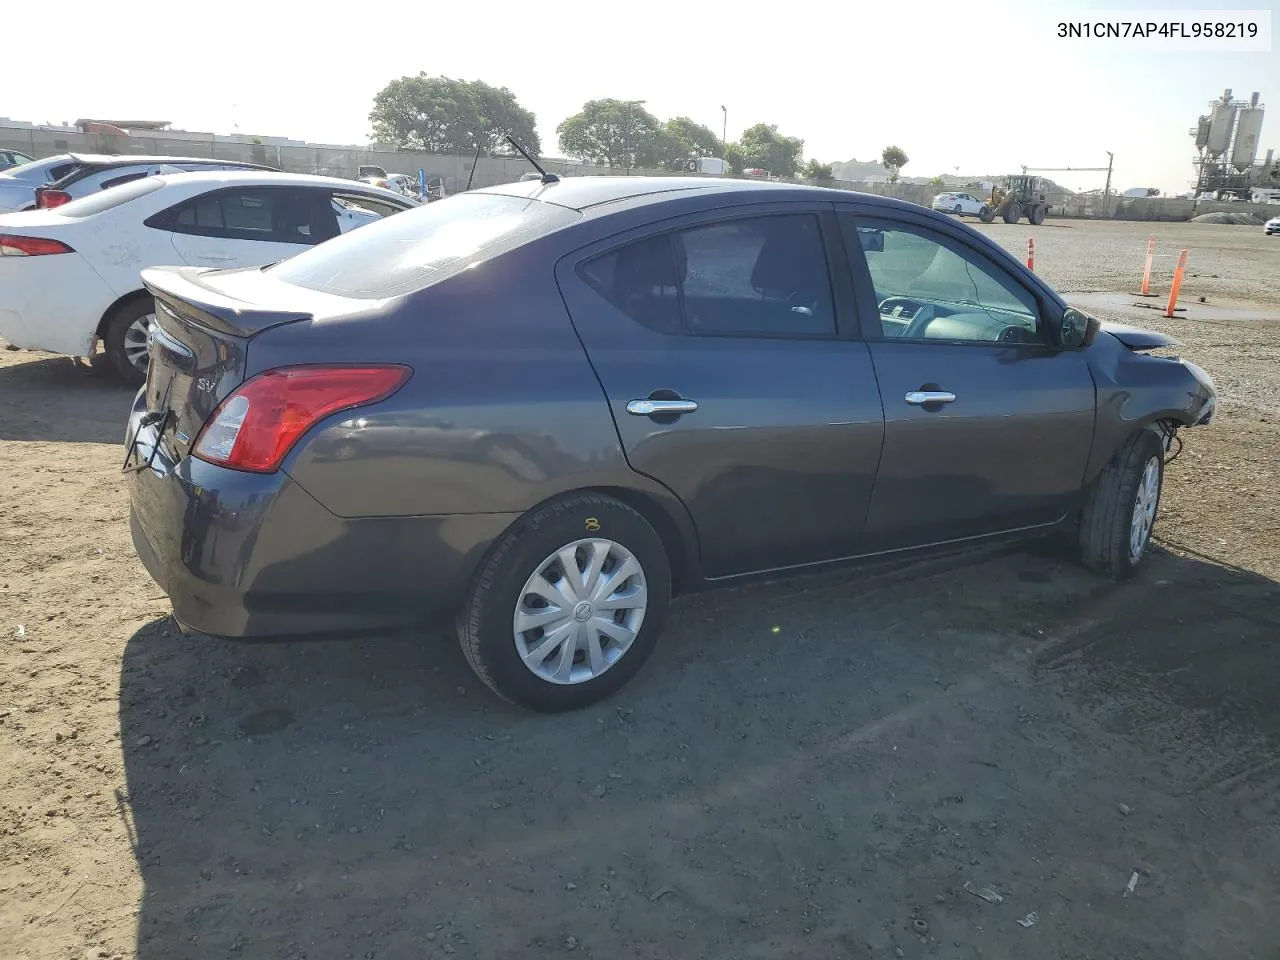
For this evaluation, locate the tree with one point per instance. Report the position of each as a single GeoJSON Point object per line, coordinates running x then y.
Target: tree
{"type": "Point", "coordinates": [937, 182]}
{"type": "Point", "coordinates": [440, 115]}
{"type": "Point", "coordinates": [894, 159]}
{"type": "Point", "coordinates": [763, 147]}
{"type": "Point", "coordinates": [813, 170]}
{"type": "Point", "coordinates": [683, 139]}
{"type": "Point", "coordinates": [614, 133]}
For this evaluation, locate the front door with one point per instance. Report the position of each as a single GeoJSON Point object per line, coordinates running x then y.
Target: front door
{"type": "Point", "coordinates": [734, 382]}
{"type": "Point", "coordinates": [987, 426]}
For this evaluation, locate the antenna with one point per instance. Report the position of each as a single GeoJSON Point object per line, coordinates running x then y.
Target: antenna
{"type": "Point", "coordinates": [546, 177]}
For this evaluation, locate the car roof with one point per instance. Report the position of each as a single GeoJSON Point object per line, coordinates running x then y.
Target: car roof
{"type": "Point", "coordinates": [599, 195]}
{"type": "Point", "coordinates": [267, 178]}
{"type": "Point", "coordinates": [118, 159]}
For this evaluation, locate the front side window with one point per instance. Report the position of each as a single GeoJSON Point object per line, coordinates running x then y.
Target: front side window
{"type": "Point", "coordinates": [756, 276]}
{"type": "Point", "coordinates": [928, 287]}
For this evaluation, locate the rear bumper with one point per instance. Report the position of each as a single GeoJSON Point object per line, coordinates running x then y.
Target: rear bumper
{"type": "Point", "coordinates": [254, 555]}
{"type": "Point", "coordinates": [52, 303]}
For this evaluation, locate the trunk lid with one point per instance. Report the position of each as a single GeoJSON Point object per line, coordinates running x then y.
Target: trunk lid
{"type": "Point", "coordinates": [199, 344]}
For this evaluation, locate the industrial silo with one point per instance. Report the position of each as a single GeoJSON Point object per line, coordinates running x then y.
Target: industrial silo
{"type": "Point", "coordinates": [1202, 133]}
{"type": "Point", "coordinates": [1248, 130]}
{"type": "Point", "coordinates": [1221, 119]}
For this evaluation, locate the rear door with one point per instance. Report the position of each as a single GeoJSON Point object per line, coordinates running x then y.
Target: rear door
{"type": "Point", "coordinates": [726, 345]}
{"type": "Point", "coordinates": [988, 426]}
{"type": "Point", "coordinates": [248, 226]}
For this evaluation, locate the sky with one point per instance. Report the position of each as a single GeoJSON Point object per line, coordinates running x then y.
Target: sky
{"type": "Point", "coordinates": [983, 87]}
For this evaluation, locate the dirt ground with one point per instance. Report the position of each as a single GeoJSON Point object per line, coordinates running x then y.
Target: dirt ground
{"type": "Point", "coordinates": [1005, 759]}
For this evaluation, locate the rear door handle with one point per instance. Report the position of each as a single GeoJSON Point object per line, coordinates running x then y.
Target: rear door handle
{"type": "Point", "coordinates": [661, 408]}
{"type": "Point", "coordinates": [919, 398]}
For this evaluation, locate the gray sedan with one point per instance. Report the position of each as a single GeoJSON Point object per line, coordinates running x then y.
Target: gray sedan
{"type": "Point", "coordinates": [543, 408]}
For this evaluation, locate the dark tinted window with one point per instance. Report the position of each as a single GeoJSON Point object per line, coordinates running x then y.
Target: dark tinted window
{"type": "Point", "coordinates": [640, 280]}
{"type": "Point", "coordinates": [275, 214]}
{"type": "Point", "coordinates": [422, 246]}
{"type": "Point", "coordinates": [757, 276]}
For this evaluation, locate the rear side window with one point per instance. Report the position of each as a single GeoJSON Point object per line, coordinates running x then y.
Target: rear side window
{"type": "Point", "coordinates": [422, 246]}
{"type": "Point", "coordinates": [755, 276]}
{"type": "Point", "coordinates": [272, 214]}
{"type": "Point", "coordinates": [107, 199]}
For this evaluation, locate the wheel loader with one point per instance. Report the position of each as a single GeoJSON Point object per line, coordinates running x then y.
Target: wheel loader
{"type": "Point", "coordinates": [1021, 195]}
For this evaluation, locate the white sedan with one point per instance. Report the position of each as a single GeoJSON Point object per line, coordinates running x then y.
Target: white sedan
{"type": "Point", "coordinates": [1273, 226]}
{"type": "Point", "coordinates": [69, 277]}
{"type": "Point", "coordinates": [959, 203]}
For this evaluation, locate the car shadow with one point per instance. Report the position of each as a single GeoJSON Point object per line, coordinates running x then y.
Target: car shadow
{"type": "Point", "coordinates": [339, 798]}
{"type": "Point", "coordinates": [60, 399]}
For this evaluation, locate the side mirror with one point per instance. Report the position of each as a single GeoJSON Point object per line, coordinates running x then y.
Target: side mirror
{"type": "Point", "coordinates": [872, 241]}
{"type": "Point", "coordinates": [1076, 329]}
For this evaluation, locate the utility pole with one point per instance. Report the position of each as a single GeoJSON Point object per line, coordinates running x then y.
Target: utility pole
{"type": "Point", "coordinates": [1106, 191]}
{"type": "Point", "coordinates": [724, 133]}
{"type": "Point", "coordinates": [631, 105]}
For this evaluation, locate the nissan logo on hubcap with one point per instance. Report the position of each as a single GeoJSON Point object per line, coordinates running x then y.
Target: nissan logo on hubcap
{"type": "Point", "coordinates": [582, 611]}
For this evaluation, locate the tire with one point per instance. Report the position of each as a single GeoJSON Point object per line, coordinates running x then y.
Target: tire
{"type": "Point", "coordinates": [1037, 214]}
{"type": "Point", "coordinates": [1107, 540]}
{"type": "Point", "coordinates": [521, 559]}
{"type": "Point", "coordinates": [1013, 212]}
{"type": "Point", "coordinates": [958, 210]}
{"type": "Point", "coordinates": [120, 342]}
{"type": "Point", "coordinates": [985, 214]}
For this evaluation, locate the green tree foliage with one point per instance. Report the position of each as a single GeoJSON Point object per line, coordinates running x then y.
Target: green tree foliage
{"type": "Point", "coordinates": [683, 139]}
{"type": "Point", "coordinates": [440, 115]}
{"type": "Point", "coordinates": [763, 147]}
{"type": "Point", "coordinates": [894, 159]}
{"type": "Point", "coordinates": [613, 133]}
{"type": "Point", "coordinates": [813, 170]}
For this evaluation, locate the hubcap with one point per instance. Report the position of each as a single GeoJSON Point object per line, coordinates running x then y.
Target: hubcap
{"type": "Point", "coordinates": [580, 612]}
{"type": "Point", "coordinates": [135, 340]}
{"type": "Point", "coordinates": [1144, 509]}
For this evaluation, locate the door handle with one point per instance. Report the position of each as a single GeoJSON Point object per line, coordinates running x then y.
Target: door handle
{"type": "Point", "coordinates": [919, 398]}
{"type": "Point", "coordinates": [661, 408]}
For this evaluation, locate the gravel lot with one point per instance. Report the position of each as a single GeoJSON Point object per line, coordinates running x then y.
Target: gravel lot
{"type": "Point", "coordinates": [1007, 759]}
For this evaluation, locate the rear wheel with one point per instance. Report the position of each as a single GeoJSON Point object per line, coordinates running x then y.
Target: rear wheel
{"type": "Point", "coordinates": [124, 342]}
{"type": "Point", "coordinates": [1013, 212]}
{"type": "Point", "coordinates": [958, 210]}
{"type": "Point", "coordinates": [569, 604]}
{"type": "Point", "coordinates": [1120, 509]}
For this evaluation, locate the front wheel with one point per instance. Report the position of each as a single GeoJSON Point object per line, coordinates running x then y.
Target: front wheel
{"type": "Point", "coordinates": [985, 214]}
{"type": "Point", "coordinates": [569, 604]}
{"type": "Point", "coordinates": [1120, 509]}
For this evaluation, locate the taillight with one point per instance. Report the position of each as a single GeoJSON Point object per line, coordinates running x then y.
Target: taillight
{"type": "Point", "coordinates": [11, 246]}
{"type": "Point", "coordinates": [48, 199]}
{"type": "Point", "coordinates": [259, 422]}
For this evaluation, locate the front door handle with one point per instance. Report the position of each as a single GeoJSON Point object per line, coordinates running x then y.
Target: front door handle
{"type": "Point", "coordinates": [919, 398]}
{"type": "Point", "coordinates": [661, 408]}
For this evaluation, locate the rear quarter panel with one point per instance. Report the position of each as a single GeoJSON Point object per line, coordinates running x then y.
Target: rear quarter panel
{"type": "Point", "coordinates": [503, 410]}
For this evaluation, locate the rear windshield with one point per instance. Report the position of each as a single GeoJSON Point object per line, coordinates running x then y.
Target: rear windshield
{"type": "Point", "coordinates": [105, 200]}
{"type": "Point", "coordinates": [422, 246]}
{"type": "Point", "coordinates": [35, 170]}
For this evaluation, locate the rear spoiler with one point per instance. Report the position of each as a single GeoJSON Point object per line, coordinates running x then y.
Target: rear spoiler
{"type": "Point", "coordinates": [185, 292]}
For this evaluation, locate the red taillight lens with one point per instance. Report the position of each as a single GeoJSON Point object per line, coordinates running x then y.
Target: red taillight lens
{"type": "Point", "coordinates": [48, 199]}
{"type": "Point", "coordinates": [11, 246]}
{"type": "Point", "coordinates": [258, 424]}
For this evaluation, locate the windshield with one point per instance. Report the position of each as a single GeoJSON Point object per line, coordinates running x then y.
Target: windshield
{"type": "Point", "coordinates": [422, 246]}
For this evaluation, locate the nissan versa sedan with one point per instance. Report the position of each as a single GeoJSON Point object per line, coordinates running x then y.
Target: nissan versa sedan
{"type": "Point", "coordinates": [543, 408]}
